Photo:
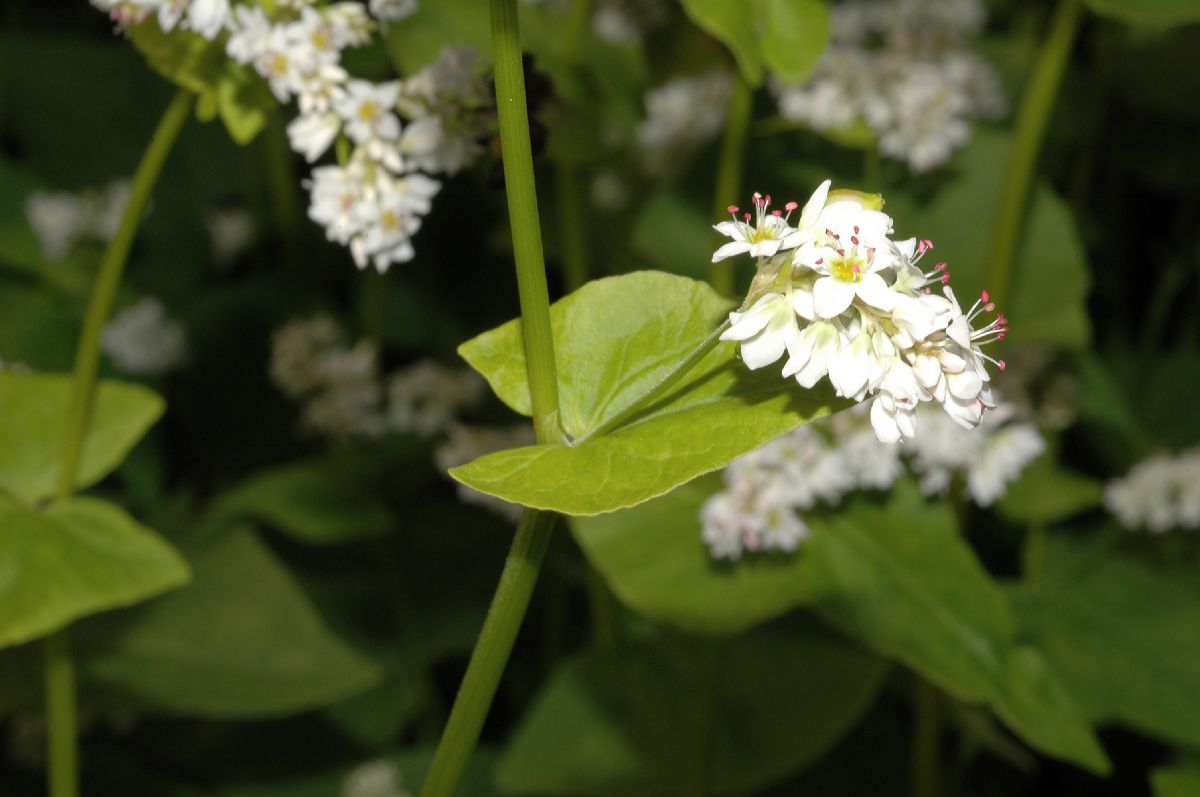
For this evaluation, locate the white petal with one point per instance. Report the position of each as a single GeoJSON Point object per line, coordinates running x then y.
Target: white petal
{"type": "Point", "coordinates": [883, 423]}
{"type": "Point", "coordinates": [831, 297]}
{"type": "Point", "coordinates": [965, 385]}
{"type": "Point", "coordinates": [814, 205]}
{"type": "Point", "coordinates": [729, 250]}
{"type": "Point", "coordinates": [764, 348]}
{"type": "Point", "coordinates": [875, 292]}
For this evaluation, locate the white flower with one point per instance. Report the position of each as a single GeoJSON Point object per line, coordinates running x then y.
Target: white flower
{"type": "Point", "coordinates": [680, 114]}
{"type": "Point", "coordinates": [142, 339]}
{"type": "Point", "coordinates": [893, 412]}
{"type": "Point", "coordinates": [1159, 493]}
{"type": "Point", "coordinates": [811, 351]}
{"type": "Point", "coordinates": [763, 330]}
{"type": "Point", "coordinates": [250, 34]}
{"type": "Point", "coordinates": [425, 397]}
{"type": "Point", "coordinates": [58, 220]}
{"type": "Point", "coordinates": [208, 17]}
{"type": "Point", "coordinates": [855, 250]}
{"type": "Point", "coordinates": [231, 232]}
{"type": "Point", "coordinates": [393, 10]}
{"type": "Point", "coordinates": [367, 111]}
{"type": "Point", "coordinates": [312, 134]}
{"type": "Point", "coordinates": [348, 24]}
{"type": "Point", "coordinates": [389, 222]}
{"type": "Point", "coordinates": [374, 779]}
{"type": "Point", "coordinates": [170, 12]}
{"type": "Point", "coordinates": [769, 235]}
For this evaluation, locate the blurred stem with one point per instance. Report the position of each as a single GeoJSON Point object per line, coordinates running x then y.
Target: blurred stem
{"type": "Point", "coordinates": [60, 673]}
{"type": "Point", "coordinates": [603, 607]}
{"type": "Point", "coordinates": [1033, 117]}
{"type": "Point", "coordinates": [573, 226]}
{"type": "Point", "coordinates": [491, 651]}
{"type": "Point", "coordinates": [63, 753]}
{"type": "Point", "coordinates": [1035, 551]}
{"type": "Point", "coordinates": [926, 753]}
{"type": "Point", "coordinates": [534, 531]}
{"type": "Point", "coordinates": [282, 185]}
{"type": "Point", "coordinates": [730, 171]}
{"type": "Point", "coordinates": [872, 169]}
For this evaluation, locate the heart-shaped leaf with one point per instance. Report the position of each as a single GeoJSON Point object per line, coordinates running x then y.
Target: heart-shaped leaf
{"type": "Point", "coordinates": [77, 558]}
{"type": "Point", "coordinates": [614, 339]}
{"type": "Point", "coordinates": [33, 412]}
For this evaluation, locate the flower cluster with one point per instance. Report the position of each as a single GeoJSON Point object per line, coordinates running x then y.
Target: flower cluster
{"type": "Point", "coordinates": [344, 394]}
{"type": "Point", "coordinates": [1159, 494]}
{"type": "Point", "coordinates": [373, 200]}
{"type": "Point", "coordinates": [902, 69]}
{"type": "Point", "coordinates": [143, 339]}
{"type": "Point", "coordinates": [846, 302]}
{"type": "Point", "coordinates": [681, 114]}
{"type": "Point", "coordinates": [374, 779]}
{"type": "Point", "coordinates": [60, 219]}
{"type": "Point", "coordinates": [818, 464]}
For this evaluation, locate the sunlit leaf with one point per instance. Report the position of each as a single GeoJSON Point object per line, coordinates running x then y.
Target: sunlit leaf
{"type": "Point", "coordinates": [77, 558]}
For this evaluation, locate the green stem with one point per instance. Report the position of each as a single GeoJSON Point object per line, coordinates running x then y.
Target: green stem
{"type": "Point", "coordinates": [523, 212]}
{"type": "Point", "coordinates": [1032, 120]}
{"type": "Point", "coordinates": [926, 752]}
{"type": "Point", "coordinates": [534, 531]}
{"type": "Point", "coordinates": [573, 226]}
{"type": "Point", "coordinates": [657, 390]}
{"type": "Point", "coordinates": [730, 170]}
{"type": "Point", "coordinates": [60, 673]}
{"type": "Point", "coordinates": [87, 357]}
{"type": "Point", "coordinates": [60, 716]}
{"type": "Point", "coordinates": [491, 652]}
{"type": "Point", "coordinates": [282, 184]}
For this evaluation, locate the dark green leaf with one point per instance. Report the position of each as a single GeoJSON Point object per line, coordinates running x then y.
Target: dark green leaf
{"type": "Point", "coordinates": [242, 641]}
{"type": "Point", "coordinates": [321, 502]}
{"type": "Point", "coordinates": [672, 716]}
{"type": "Point", "coordinates": [1047, 493]}
{"type": "Point", "coordinates": [896, 576]}
{"type": "Point", "coordinates": [1149, 12]}
{"type": "Point", "coordinates": [1124, 635]}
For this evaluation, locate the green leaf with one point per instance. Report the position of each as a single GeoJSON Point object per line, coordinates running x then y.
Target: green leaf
{"type": "Point", "coordinates": [733, 26]}
{"type": "Point", "coordinates": [795, 33]}
{"type": "Point", "coordinates": [1047, 493]}
{"type": "Point", "coordinates": [896, 576]}
{"type": "Point", "coordinates": [1123, 634]}
{"type": "Point", "coordinates": [242, 641]}
{"type": "Point", "coordinates": [614, 339]}
{"type": "Point", "coordinates": [77, 558]}
{"type": "Point", "coordinates": [1050, 284]}
{"type": "Point", "coordinates": [322, 502]}
{"type": "Point", "coordinates": [1149, 12]}
{"type": "Point", "coordinates": [1181, 780]}
{"type": "Point", "coordinates": [666, 717]}
{"type": "Point", "coordinates": [227, 88]}
{"type": "Point", "coordinates": [785, 36]}
{"type": "Point", "coordinates": [33, 411]}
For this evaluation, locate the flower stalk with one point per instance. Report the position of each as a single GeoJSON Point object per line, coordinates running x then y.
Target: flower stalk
{"type": "Point", "coordinates": [730, 169]}
{"type": "Point", "coordinates": [532, 538]}
{"type": "Point", "coordinates": [1033, 117]}
{"type": "Point", "coordinates": [62, 745]}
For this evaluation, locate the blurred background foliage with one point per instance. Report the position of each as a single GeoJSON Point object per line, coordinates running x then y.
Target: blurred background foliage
{"type": "Point", "coordinates": [338, 586]}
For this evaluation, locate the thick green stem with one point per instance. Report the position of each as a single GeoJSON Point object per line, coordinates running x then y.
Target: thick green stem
{"type": "Point", "coordinates": [533, 533]}
{"type": "Point", "coordinates": [491, 653]}
{"type": "Point", "coordinates": [926, 744]}
{"type": "Point", "coordinates": [62, 752]}
{"type": "Point", "coordinates": [87, 357]}
{"type": "Point", "coordinates": [730, 168]}
{"type": "Point", "coordinates": [63, 755]}
{"type": "Point", "coordinates": [519, 184]}
{"type": "Point", "coordinates": [1032, 119]}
